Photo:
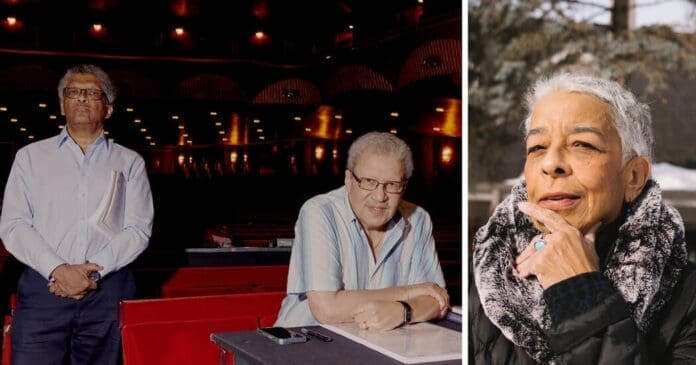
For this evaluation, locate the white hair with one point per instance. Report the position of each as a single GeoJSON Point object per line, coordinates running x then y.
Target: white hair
{"type": "Point", "coordinates": [106, 85]}
{"type": "Point", "coordinates": [631, 118]}
{"type": "Point", "coordinates": [382, 143]}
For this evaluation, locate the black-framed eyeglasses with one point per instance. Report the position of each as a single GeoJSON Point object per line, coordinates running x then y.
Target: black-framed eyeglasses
{"type": "Point", "coordinates": [90, 94]}
{"type": "Point", "coordinates": [392, 187]}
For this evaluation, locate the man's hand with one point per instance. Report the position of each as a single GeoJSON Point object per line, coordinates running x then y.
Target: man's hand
{"type": "Point", "coordinates": [379, 315]}
{"type": "Point", "coordinates": [431, 289]}
{"type": "Point", "coordinates": [71, 281]}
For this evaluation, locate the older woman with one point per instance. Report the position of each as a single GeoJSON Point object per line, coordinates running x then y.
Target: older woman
{"type": "Point", "coordinates": [583, 263]}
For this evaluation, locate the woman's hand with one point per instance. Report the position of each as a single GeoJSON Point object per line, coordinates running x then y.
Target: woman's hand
{"type": "Point", "coordinates": [567, 252]}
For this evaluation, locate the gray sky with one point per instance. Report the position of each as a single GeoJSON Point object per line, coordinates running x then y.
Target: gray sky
{"type": "Point", "coordinates": [677, 13]}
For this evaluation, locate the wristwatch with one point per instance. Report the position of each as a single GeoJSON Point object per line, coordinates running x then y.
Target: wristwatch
{"type": "Point", "coordinates": [94, 276]}
{"type": "Point", "coordinates": [407, 313]}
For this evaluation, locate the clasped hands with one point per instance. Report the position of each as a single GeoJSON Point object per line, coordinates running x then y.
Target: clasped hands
{"type": "Point", "coordinates": [72, 281]}
{"type": "Point", "coordinates": [385, 315]}
{"type": "Point", "coordinates": [567, 251]}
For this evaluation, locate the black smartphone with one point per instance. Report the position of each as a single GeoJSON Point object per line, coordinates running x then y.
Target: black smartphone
{"type": "Point", "coordinates": [281, 336]}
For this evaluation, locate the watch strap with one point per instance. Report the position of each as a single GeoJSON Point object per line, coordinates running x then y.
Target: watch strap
{"type": "Point", "coordinates": [408, 313]}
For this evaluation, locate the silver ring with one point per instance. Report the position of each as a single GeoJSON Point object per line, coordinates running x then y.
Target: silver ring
{"type": "Point", "coordinates": [539, 244]}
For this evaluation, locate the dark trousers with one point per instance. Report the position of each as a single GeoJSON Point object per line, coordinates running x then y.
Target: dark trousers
{"type": "Point", "coordinates": [48, 329]}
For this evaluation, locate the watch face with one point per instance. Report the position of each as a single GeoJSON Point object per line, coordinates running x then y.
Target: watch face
{"type": "Point", "coordinates": [94, 276]}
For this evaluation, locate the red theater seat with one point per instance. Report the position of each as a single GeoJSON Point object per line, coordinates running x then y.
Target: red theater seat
{"type": "Point", "coordinates": [177, 330]}
{"type": "Point", "coordinates": [198, 281]}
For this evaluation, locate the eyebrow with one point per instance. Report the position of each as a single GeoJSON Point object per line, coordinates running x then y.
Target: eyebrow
{"type": "Point", "coordinates": [575, 130]}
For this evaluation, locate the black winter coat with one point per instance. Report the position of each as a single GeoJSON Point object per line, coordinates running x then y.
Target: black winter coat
{"type": "Point", "coordinates": [603, 334]}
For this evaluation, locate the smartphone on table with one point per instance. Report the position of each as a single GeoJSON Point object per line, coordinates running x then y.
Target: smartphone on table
{"type": "Point", "coordinates": [281, 336]}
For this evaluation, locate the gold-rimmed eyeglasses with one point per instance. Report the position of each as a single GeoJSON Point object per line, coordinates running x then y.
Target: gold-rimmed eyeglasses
{"type": "Point", "coordinates": [90, 94]}
{"type": "Point", "coordinates": [392, 187]}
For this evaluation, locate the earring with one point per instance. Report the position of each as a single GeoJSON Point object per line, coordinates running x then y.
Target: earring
{"type": "Point", "coordinates": [629, 210]}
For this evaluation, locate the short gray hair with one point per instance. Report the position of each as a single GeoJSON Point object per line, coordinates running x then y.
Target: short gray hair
{"type": "Point", "coordinates": [104, 79]}
{"type": "Point", "coordinates": [631, 118]}
{"type": "Point", "coordinates": [382, 143]}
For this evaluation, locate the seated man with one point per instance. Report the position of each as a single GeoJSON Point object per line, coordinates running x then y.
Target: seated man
{"type": "Point", "coordinates": [361, 253]}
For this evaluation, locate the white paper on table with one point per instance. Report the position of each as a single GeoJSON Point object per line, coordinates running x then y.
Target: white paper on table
{"type": "Point", "coordinates": [108, 218]}
{"type": "Point", "coordinates": [412, 344]}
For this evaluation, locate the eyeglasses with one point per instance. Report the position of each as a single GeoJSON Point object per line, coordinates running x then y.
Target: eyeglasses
{"type": "Point", "coordinates": [91, 94]}
{"type": "Point", "coordinates": [392, 187]}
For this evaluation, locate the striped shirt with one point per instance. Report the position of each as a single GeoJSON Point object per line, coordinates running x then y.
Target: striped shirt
{"type": "Point", "coordinates": [331, 252]}
{"type": "Point", "coordinates": [52, 191]}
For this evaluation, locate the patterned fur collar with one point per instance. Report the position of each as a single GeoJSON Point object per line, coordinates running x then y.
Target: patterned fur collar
{"type": "Point", "coordinates": [644, 264]}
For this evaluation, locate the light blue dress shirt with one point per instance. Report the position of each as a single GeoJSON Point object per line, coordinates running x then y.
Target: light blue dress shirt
{"type": "Point", "coordinates": [331, 252]}
{"type": "Point", "coordinates": [54, 188]}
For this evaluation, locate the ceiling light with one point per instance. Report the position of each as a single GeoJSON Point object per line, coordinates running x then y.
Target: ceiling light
{"type": "Point", "coordinates": [259, 35]}
{"type": "Point", "coordinates": [136, 121]}
{"type": "Point", "coordinates": [259, 130]}
{"type": "Point", "coordinates": [446, 154]}
{"type": "Point", "coordinates": [143, 130]}
{"type": "Point", "coordinates": [213, 113]}
{"type": "Point", "coordinates": [349, 131]}
{"type": "Point", "coordinates": [106, 133]}
{"type": "Point", "coordinates": [13, 120]}
{"type": "Point", "coordinates": [42, 105]}
{"type": "Point", "coordinates": [328, 56]}
{"type": "Point", "coordinates": [297, 118]}
{"type": "Point", "coordinates": [440, 110]}
{"type": "Point", "coordinates": [394, 114]}
{"type": "Point", "coordinates": [30, 136]}
{"type": "Point", "coordinates": [350, 26]}
{"type": "Point", "coordinates": [308, 129]}
{"type": "Point", "coordinates": [97, 27]}
{"type": "Point", "coordinates": [436, 129]}
{"type": "Point", "coordinates": [130, 110]}
{"type": "Point", "coordinates": [181, 126]}
{"type": "Point", "coordinates": [189, 141]}
{"type": "Point", "coordinates": [338, 116]}
{"type": "Point", "coordinates": [52, 117]}
{"type": "Point", "coordinates": [224, 139]}
{"type": "Point", "coordinates": [22, 129]}
{"type": "Point", "coordinates": [262, 137]}
{"type": "Point", "coordinates": [3, 108]}
{"type": "Point", "coordinates": [152, 143]}
{"type": "Point", "coordinates": [256, 121]}
{"type": "Point", "coordinates": [61, 126]}
{"type": "Point", "coordinates": [221, 132]}
{"type": "Point", "coordinates": [179, 31]}
{"type": "Point", "coordinates": [185, 135]}
{"type": "Point", "coordinates": [392, 131]}
{"type": "Point", "coordinates": [148, 137]}
{"type": "Point", "coordinates": [217, 124]}
{"type": "Point", "coordinates": [175, 117]}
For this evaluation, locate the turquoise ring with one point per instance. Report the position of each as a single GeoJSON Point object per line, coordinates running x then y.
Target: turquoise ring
{"type": "Point", "coordinates": [538, 245]}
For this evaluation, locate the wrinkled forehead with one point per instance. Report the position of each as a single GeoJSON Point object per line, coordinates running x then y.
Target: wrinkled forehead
{"type": "Point", "coordinates": [85, 81]}
{"type": "Point", "coordinates": [376, 159]}
{"type": "Point", "coordinates": [570, 111]}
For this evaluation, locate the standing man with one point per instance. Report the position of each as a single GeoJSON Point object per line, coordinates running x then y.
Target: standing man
{"type": "Point", "coordinates": [361, 253]}
{"type": "Point", "coordinates": [76, 275]}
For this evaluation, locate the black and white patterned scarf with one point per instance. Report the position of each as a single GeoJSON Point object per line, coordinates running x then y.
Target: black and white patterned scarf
{"type": "Point", "coordinates": [644, 265]}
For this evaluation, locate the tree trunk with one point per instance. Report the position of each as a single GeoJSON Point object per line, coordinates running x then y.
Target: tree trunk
{"type": "Point", "coordinates": [620, 13]}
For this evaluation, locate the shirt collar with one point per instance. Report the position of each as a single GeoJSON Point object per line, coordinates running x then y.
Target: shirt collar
{"type": "Point", "coordinates": [63, 136]}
